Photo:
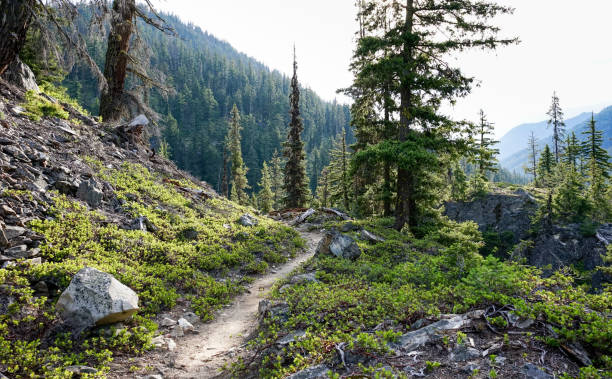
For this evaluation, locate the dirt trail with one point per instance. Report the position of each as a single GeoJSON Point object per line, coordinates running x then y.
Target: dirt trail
{"type": "Point", "coordinates": [203, 354]}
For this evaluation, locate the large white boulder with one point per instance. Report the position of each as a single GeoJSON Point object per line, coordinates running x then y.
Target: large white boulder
{"type": "Point", "coordinates": [96, 298]}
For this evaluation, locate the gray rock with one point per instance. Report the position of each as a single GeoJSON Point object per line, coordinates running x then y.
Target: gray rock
{"type": "Point", "coordinates": [13, 231]}
{"type": "Point", "coordinates": [20, 75]}
{"type": "Point", "coordinates": [79, 370]}
{"type": "Point", "coordinates": [89, 191]}
{"type": "Point", "coordinates": [191, 317]}
{"type": "Point", "coordinates": [414, 339]}
{"type": "Point", "coordinates": [16, 153]}
{"type": "Point", "coordinates": [349, 227]}
{"type": "Point", "coordinates": [463, 353]}
{"type": "Point", "coordinates": [66, 187]}
{"type": "Point", "coordinates": [167, 322]}
{"type": "Point", "coordinates": [140, 120]}
{"type": "Point", "coordinates": [291, 337]}
{"type": "Point", "coordinates": [497, 212]}
{"type": "Point", "coordinates": [604, 234]}
{"type": "Point", "coordinates": [19, 251]}
{"type": "Point", "coordinates": [566, 245]}
{"type": "Point", "coordinates": [278, 310]}
{"type": "Point", "coordinates": [532, 371]}
{"type": "Point", "coordinates": [303, 278]}
{"type": "Point", "coordinates": [95, 298]}
{"type": "Point", "coordinates": [142, 223]}
{"type": "Point", "coordinates": [185, 325]}
{"type": "Point", "coordinates": [248, 220]}
{"type": "Point", "coordinates": [367, 236]}
{"type": "Point", "coordinates": [578, 353]}
{"type": "Point", "coordinates": [338, 245]}
{"type": "Point", "coordinates": [314, 372]}
{"type": "Point", "coordinates": [470, 368]}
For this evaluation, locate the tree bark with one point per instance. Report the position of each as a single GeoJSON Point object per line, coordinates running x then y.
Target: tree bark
{"type": "Point", "coordinates": [112, 100]}
{"type": "Point", "coordinates": [15, 19]}
{"type": "Point", "coordinates": [405, 178]}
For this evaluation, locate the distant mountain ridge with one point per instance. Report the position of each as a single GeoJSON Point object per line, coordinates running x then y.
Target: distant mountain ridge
{"type": "Point", "coordinates": [513, 145]}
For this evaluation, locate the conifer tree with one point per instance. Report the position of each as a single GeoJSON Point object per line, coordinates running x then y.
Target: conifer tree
{"type": "Point", "coordinates": [556, 121]}
{"type": "Point", "coordinates": [277, 180]}
{"type": "Point", "coordinates": [238, 169]}
{"type": "Point", "coordinates": [598, 159]}
{"type": "Point", "coordinates": [323, 188]}
{"type": "Point", "coordinates": [532, 168]}
{"type": "Point", "coordinates": [338, 173]}
{"type": "Point", "coordinates": [598, 167]}
{"type": "Point", "coordinates": [485, 153]}
{"type": "Point", "coordinates": [295, 184]}
{"type": "Point", "coordinates": [569, 202]}
{"type": "Point", "coordinates": [546, 165]}
{"type": "Point", "coordinates": [459, 182]}
{"type": "Point", "coordinates": [572, 151]}
{"type": "Point", "coordinates": [406, 51]}
{"type": "Point", "coordinates": [266, 197]}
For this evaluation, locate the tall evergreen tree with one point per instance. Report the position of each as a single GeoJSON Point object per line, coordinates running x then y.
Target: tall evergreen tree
{"type": "Point", "coordinates": [597, 157]}
{"type": "Point", "coordinates": [546, 166]}
{"type": "Point", "coordinates": [532, 168]}
{"type": "Point", "coordinates": [407, 50]}
{"type": "Point", "coordinates": [485, 153]}
{"type": "Point", "coordinates": [266, 197]}
{"type": "Point", "coordinates": [338, 173]}
{"type": "Point", "coordinates": [568, 201]}
{"type": "Point", "coordinates": [572, 152]}
{"type": "Point", "coordinates": [323, 186]}
{"type": "Point", "coordinates": [295, 185]}
{"type": "Point", "coordinates": [238, 169]}
{"type": "Point", "coordinates": [278, 181]}
{"type": "Point", "coordinates": [598, 172]}
{"type": "Point", "coordinates": [556, 121]}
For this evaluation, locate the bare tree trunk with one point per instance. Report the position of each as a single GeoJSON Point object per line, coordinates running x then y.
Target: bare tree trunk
{"type": "Point", "coordinates": [404, 213]}
{"type": "Point", "coordinates": [112, 100]}
{"type": "Point", "coordinates": [15, 19]}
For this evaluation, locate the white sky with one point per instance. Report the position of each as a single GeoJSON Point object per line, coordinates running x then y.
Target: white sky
{"type": "Point", "coordinates": [565, 47]}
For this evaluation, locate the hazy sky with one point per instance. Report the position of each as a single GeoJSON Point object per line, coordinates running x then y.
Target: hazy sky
{"type": "Point", "coordinates": [565, 47]}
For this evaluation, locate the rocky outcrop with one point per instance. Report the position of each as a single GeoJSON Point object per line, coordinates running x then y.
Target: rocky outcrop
{"type": "Point", "coordinates": [248, 220]}
{"type": "Point", "coordinates": [566, 245]}
{"type": "Point", "coordinates": [90, 192]}
{"type": "Point", "coordinates": [95, 298]}
{"type": "Point", "coordinates": [497, 212]}
{"type": "Point", "coordinates": [339, 245]}
{"type": "Point", "coordinates": [20, 75]}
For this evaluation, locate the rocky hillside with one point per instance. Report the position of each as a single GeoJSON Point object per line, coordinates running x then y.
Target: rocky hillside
{"type": "Point", "coordinates": [375, 303]}
{"type": "Point", "coordinates": [76, 194]}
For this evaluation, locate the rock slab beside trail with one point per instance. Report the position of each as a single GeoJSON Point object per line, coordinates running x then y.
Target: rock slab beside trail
{"type": "Point", "coordinates": [339, 245]}
{"type": "Point", "coordinates": [96, 298]}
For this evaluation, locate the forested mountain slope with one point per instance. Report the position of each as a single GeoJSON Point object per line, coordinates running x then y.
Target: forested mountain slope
{"type": "Point", "coordinates": [209, 76]}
